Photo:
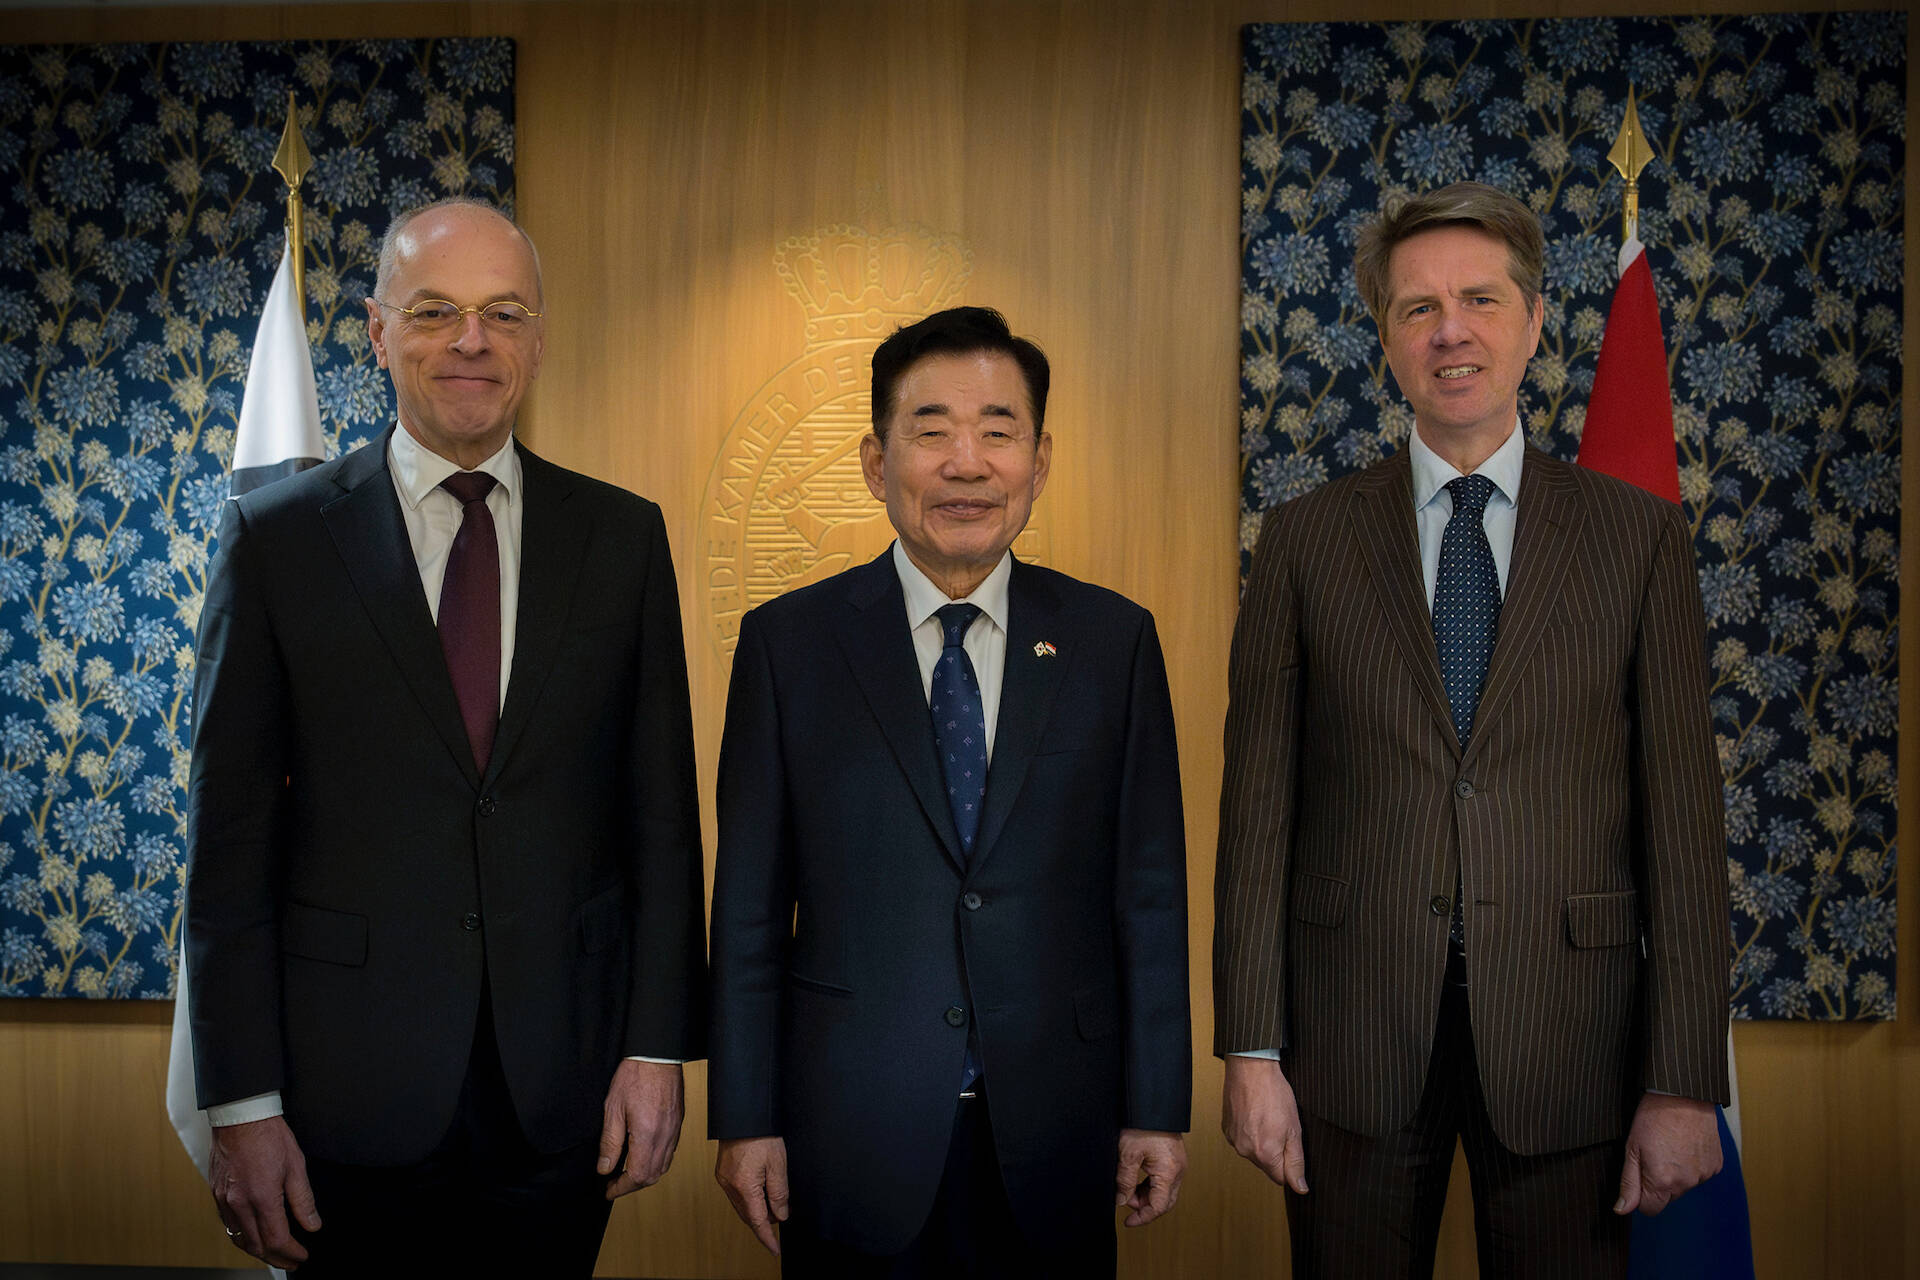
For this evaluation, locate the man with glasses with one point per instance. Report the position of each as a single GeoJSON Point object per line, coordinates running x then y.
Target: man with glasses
{"type": "Point", "coordinates": [949, 916]}
{"type": "Point", "coordinates": [444, 882]}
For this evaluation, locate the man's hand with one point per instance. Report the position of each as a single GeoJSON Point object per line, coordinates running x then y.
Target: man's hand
{"type": "Point", "coordinates": [1153, 1160]}
{"type": "Point", "coordinates": [1262, 1121]}
{"type": "Point", "coordinates": [257, 1173]}
{"type": "Point", "coordinates": [644, 1107]}
{"type": "Point", "coordinates": [753, 1173]}
{"type": "Point", "coordinates": [1674, 1146]}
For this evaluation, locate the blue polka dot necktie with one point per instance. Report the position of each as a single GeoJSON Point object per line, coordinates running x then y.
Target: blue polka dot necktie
{"type": "Point", "coordinates": [960, 736]}
{"type": "Point", "coordinates": [960, 723]}
{"type": "Point", "coordinates": [1466, 620]}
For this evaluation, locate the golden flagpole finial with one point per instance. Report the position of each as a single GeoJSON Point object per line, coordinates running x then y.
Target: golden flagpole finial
{"type": "Point", "coordinates": [292, 161]}
{"type": "Point", "coordinates": [1630, 155]}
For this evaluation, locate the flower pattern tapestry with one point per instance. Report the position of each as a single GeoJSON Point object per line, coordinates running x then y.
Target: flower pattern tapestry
{"type": "Point", "coordinates": [139, 231]}
{"type": "Point", "coordinates": [1772, 212]}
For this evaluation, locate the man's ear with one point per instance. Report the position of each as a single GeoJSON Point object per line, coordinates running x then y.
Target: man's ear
{"type": "Point", "coordinates": [873, 465]}
{"type": "Point", "coordinates": [377, 332]}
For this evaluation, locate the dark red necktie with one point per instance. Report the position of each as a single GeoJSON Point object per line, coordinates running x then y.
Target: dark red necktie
{"type": "Point", "coordinates": [470, 612]}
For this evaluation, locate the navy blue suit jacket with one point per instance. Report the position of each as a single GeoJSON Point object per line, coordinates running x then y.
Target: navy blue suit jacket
{"type": "Point", "coordinates": [847, 926]}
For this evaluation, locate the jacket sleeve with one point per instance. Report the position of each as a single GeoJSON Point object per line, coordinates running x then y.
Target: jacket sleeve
{"type": "Point", "coordinates": [1683, 864]}
{"type": "Point", "coordinates": [752, 902]}
{"type": "Point", "coordinates": [1258, 794]}
{"type": "Point", "coordinates": [666, 1003]}
{"type": "Point", "coordinates": [1150, 888]}
{"type": "Point", "coordinates": [235, 789]}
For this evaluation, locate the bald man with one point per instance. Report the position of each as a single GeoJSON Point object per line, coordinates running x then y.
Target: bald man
{"type": "Point", "coordinates": [445, 925]}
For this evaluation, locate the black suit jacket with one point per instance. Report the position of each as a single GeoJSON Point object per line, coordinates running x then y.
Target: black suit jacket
{"type": "Point", "coordinates": [846, 925]}
{"type": "Point", "coordinates": [351, 877]}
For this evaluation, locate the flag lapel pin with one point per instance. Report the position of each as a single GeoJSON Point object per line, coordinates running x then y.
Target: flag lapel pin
{"type": "Point", "coordinates": [1044, 649]}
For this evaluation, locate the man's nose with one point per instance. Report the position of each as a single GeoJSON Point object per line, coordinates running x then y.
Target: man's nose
{"type": "Point", "coordinates": [471, 336]}
{"type": "Point", "coordinates": [966, 460]}
{"type": "Point", "coordinates": [1452, 326]}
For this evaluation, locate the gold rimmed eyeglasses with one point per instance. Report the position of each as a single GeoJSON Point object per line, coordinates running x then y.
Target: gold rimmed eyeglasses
{"type": "Point", "coordinates": [431, 314]}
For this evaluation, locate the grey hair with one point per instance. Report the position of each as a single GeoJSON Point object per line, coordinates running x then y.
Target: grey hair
{"type": "Point", "coordinates": [390, 242]}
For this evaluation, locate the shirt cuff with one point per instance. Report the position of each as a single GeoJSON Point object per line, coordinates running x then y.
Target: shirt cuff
{"type": "Point", "coordinates": [664, 1062]}
{"type": "Point", "coordinates": [1271, 1055]}
{"type": "Point", "coordinates": [261, 1106]}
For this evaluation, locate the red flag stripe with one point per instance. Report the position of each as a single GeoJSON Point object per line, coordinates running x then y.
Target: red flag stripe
{"type": "Point", "coordinates": [1629, 431]}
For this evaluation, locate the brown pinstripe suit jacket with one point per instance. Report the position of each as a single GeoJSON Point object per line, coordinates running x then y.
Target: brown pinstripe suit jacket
{"type": "Point", "coordinates": [1584, 819]}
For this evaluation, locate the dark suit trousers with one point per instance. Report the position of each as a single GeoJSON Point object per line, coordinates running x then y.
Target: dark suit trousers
{"type": "Point", "coordinates": [1374, 1204]}
{"type": "Point", "coordinates": [482, 1203]}
{"type": "Point", "coordinates": [970, 1235]}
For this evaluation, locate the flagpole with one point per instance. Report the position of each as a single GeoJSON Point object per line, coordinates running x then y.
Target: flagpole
{"type": "Point", "coordinates": [276, 433]}
{"type": "Point", "coordinates": [1630, 155]}
{"type": "Point", "coordinates": [292, 161]}
{"type": "Point", "coordinates": [1628, 431]}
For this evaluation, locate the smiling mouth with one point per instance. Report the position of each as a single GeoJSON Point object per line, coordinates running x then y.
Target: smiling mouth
{"type": "Point", "coordinates": [1457, 371]}
{"type": "Point", "coordinates": [965, 507]}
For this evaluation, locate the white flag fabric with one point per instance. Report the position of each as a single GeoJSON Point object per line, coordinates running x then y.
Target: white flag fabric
{"type": "Point", "coordinates": [189, 1121]}
{"type": "Point", "coordinates": [279, 431]}
{"type": "Point", "coordinates": [278, 434]}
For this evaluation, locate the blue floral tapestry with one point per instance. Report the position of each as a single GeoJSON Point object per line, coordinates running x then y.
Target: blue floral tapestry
{"type": "Point", "coordinates": [1772, 213]}
{"type": "Point", "coordinates": [139, 232]}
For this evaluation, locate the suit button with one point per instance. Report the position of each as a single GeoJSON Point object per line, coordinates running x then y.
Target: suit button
{"type": "Point", "coordinates": [970, 900]}
{"type": "Point", "coordinates": [956, 1016]}
{"type": "Point", "coordinates": [470, 921]}
{"type": "Point", "coordinates": [1463, 789]}
{"type": "Point", "coordinates": [487, 805]}
{"type": "Point", "coordinates": [1439, 905]}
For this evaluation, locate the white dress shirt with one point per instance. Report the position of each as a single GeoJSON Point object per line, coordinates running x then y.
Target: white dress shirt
{"type": "Point", "coordinates": [1433, 505]}
{"type": "Point", "coordinates": [986, 640]}
{"type": "Point", "coordinates": [433, 518]}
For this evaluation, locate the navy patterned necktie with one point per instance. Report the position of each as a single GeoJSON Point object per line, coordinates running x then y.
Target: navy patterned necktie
{"type": "Point", "coordinates": [1466, 619]}
{"type": "Point", "coordinates": [1466, 601]}
{"type": "Point", "coordinates": [469, 618]}
{"type": "Point", "coordinates": [960, 723]}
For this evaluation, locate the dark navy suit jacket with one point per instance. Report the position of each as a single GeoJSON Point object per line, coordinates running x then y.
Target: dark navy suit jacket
{"type": "Point", "coordinates": [854, 948]}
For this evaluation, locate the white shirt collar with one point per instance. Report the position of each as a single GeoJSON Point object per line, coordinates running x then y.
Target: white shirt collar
{"type": "Point", "coordinates": [1431, 472]}
{"type": "Point", "coordinates": [924, 599]}
{"type": "Point", "coordinates": [419, 471]}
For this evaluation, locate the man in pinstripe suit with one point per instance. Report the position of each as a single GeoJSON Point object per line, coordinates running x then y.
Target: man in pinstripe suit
{"type": "Point", "coordinates": [1471, 881]}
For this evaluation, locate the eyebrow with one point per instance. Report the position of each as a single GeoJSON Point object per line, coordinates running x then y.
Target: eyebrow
{"type": "Point", "coordinates": [938, 410]}
{"type": "Point", "coordinates": [1465, 291]}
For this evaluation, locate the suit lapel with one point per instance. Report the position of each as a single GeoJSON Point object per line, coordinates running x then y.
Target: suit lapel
{"type": "Point", "coordinates": [553, 540]}
{"type": "Point", "coordinates": [1027, 688]}
{"type": "Point", "coordinates": [1544, 538]}
{"type": "Point", "coordinates": [371, 537]}
{"type": "Point", "coordinates": [1384, 527]}
{"type": "Point", "coordinates": [878, 649]}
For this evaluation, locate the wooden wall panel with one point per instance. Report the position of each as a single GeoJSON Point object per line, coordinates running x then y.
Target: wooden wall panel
{"type": "Point", "coordinates": [1083, 154]}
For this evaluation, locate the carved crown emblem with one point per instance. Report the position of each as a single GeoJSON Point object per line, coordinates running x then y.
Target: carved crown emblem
{"type": "Point", "coordinates": [860, 284]}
